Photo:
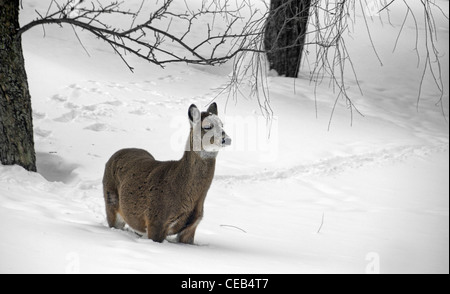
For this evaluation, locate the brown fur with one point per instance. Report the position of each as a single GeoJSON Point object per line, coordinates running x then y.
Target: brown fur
{"type": "Point", "coordinates": [155, 197]}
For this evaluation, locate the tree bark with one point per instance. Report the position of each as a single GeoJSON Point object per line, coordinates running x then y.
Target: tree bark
{"type": "Point", "coordinates": [16, 124]}
{"type": "Point", "coordinates": [285, 35]}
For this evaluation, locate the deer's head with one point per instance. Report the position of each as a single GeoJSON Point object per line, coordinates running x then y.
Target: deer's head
{"type": "Point", "coordinates": [207, 134]}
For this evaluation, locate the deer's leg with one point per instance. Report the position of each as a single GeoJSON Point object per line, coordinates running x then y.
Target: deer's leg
{"type": "Point", "coordinates": [112, 210]}
{"type": "Point", "coordinates": [156, 231]}
{"type": "Point", "coordinates": [187, 235]}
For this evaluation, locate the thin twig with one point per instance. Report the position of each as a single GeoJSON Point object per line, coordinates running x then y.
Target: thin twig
{"type": "Point", "coordinates": [81, 43]}
{"type": "Point", "coordinates": [321, 224]}
{"type": "Point", "coordinates": [241, 40]}
{"type": "Point", "coordinates": [230, 226]}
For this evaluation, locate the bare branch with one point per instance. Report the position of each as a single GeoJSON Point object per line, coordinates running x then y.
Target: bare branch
{"type": "Point", "coordinates": [158, 49]}
{"type": "Point", "coordinates": [234, 31]}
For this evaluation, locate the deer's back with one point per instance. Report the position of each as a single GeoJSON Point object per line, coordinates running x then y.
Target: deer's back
{"type": "Point", "coordinates": [126, 162]}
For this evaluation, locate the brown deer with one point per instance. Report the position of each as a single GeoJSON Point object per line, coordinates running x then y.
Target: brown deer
{"type": "Point", "coordinates": [162, 198]}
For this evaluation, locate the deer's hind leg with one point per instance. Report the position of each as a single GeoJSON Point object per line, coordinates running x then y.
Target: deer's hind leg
{"type": "Point", "coordinates": [113, 216]}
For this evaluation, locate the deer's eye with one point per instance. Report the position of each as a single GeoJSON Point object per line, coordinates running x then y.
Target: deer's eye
{"type": "Point", "coordinates": [208, 127]}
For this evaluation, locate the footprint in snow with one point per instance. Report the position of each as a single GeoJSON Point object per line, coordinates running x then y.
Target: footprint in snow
{"type": "Point", "coordinates": [114, 103]}
{"type": "Point", "coordinates": [139, 111]}
{"type": "Point", "coordinates": [59, 98]}
{"type": "Point", "coordinates": [90, 107]}
{"type": "Point", "coordinates": [42, 133]}
{"type": "Point", "coordinates": [39, 115]}
{"type": "Point", "coordinates": [118, 86]}
{"type": "Point", "coordinates": [70, 105]}
{"type": "Point", "coordinates": [170, 79]}
{"type": "Point", "coordinates": [98, 127]}
{"type": "Point", "coordinates": [67, 117]}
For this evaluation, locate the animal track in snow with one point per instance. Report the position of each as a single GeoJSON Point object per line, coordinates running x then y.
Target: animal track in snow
{"type": "Point", "coordinates": [337, 164]}
{"type": "Point", "coordinates": [39, 115]}
{"type": "Point", "coordinates": [99, 127]}
{"type": "Point", "coordinates": [139, 111]}
{"type": "Point", "coordinates": [59, 98]}
{"type": "Point", "coordinates": [67, 117]}
{"type": "Point", "coordinates": [42, 133]}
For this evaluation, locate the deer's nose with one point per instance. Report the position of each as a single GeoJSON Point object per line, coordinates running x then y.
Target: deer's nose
{"type": "Point", "coordinates": [226, 140]}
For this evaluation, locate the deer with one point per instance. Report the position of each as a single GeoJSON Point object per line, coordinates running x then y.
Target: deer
{"type": "Point", "coordinates": [165, 198]}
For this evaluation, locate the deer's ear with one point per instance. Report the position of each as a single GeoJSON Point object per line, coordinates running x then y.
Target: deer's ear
{"type": "Point", "coordinates": [213, 109]}
{"type": "Point", "coordinates": [194, 114]}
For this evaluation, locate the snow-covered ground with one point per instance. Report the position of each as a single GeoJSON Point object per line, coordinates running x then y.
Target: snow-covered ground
{"type": "Point", "coordinates": [371, 196]}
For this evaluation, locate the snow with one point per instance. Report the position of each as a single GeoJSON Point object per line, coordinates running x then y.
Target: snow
{"type": "Point", "coordinates": [365, 196]}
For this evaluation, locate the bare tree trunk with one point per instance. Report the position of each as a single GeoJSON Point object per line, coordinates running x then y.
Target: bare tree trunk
{"type": "Point", "coordinates": [16, 125]}
{"type": "Point", "coordinates": [285, 35]}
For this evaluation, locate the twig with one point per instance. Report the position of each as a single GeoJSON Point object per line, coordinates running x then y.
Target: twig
{"type": "Point", "coordinates": [321, 224]}
{"type": "Point", "coordinates": [241, 40]}
{"type": "Point", "coordinates": [81, 43]}
{"type": "Point", "coordinates": [230, 226]}
{"type": "Point", "coordinates": [159, 50]}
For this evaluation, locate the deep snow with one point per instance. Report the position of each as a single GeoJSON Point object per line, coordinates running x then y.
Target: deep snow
{"type": "Point", "coordinates": [371, 195]}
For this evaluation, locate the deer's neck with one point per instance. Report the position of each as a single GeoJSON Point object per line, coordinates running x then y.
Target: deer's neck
{"type": "Point", "coordinates": [197, 167]}
{"type": "Point", "coordinates": [194, 145]}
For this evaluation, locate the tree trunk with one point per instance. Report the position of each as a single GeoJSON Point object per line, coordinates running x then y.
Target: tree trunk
{"type": "Point", "coordinates": [285, 35]}
{"type": "Point", "coordinates": [16, 125]}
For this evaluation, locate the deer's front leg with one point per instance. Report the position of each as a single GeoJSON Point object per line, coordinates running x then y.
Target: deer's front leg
{"type": "Point", "coordinates": [156, 231]}
{"type": "Point", "coordinates": [187, 235]}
